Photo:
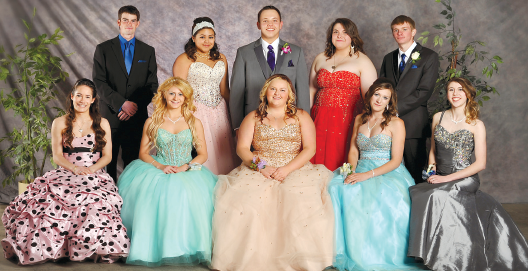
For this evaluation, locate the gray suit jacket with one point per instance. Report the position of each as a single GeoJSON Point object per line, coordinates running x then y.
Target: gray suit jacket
{"type": "Point", "coordinates": [414, 87]}
{"type": "Point", "coordinates": [251, 71]}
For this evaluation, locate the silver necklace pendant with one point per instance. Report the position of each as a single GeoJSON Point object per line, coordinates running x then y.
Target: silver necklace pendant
{"type": "Point", "coordinates": [80, 131]}
{"type": "Point", "coordinates": [370, 128]}
{"type": "Point", "coordinates": [457, 121]}
{"type": "Point", "coordinates": [174, 121]}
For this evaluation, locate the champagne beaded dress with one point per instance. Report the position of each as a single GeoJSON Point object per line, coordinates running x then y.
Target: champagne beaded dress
{"type": "Point", "coordinates": [264, 224]}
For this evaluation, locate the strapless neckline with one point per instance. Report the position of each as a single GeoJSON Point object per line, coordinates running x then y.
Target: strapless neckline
{"type": "Point", "coordinates": [278, 130]}
{"type": "Point", "coordinates": [454, 132]}
{"type": "Point", "coordinates": [175, 133]}
{"type": "Point", "coordinates": [214, 66]}
{"type": "Point", "coordinates": [345, 71]}
{"type": "Point", "coordinates": [374, 135]}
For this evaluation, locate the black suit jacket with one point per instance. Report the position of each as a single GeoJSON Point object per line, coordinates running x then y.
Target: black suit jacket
{"type": "Point", "coordinates": [414, 87]}
{"type": "Point", "coordinates": [115, 85]}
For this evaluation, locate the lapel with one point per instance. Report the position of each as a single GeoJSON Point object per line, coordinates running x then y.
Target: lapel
{"type": "Point", "coordinates": [116, 46]}
{"type": "Point", "coordinates": [260, 57]}
{"type": "Point", "coordinates": [394, 66]}
{"type": "Point", "coordinates": [280, 57]}
{"type": "Point", "coordinates": [409, 64]}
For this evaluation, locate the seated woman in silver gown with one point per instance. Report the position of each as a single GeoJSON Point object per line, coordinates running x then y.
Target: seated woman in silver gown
{"type": "Point", "coordinates": [455, 226]}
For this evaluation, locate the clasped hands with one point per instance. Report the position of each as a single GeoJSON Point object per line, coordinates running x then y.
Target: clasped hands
{"type": "Point", "coordinates": [127, 110]}
{"type": "Point", "coordinates": [82, 170]}
{"type": "Point", "coordinates": [278, 174]}
{"type": "Point", "coordinates": [358, 177]}
{"type": "Point", "coordinates": [174, 169]}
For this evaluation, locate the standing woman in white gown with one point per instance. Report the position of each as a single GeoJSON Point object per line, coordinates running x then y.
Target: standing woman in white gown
{"type": "Point", "coordinates": [205, 68]}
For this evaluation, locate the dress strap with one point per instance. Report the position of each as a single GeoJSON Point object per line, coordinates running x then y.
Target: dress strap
{"type": "Point", "coordinates": [441, 116]}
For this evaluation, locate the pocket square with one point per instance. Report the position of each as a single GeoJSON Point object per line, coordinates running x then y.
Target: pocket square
{"type": "Point", "coordinates": [414, 67]}
{"type": "Point", "coordinates": [290, 63]}
{"type": "Point", "coordinates": [142, 61]}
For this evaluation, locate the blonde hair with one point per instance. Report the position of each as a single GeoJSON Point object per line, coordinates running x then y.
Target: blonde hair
{"type": "Point", "coordinates": [187, 109]}
{"type": "Point", "coordinates": [291, 109]}
{"type": "Point", "coordinates": [472, 108]}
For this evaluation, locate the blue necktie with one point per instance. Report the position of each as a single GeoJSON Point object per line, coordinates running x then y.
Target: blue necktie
{"type": "Point", "coordinates": [402, 63]}
{"type": "Point", "coordinates": [271, 57]}
{"type": "Point", "coordinates": [128, 57]}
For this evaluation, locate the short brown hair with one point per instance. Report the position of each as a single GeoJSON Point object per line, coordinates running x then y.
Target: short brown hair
{"type": "Point", "coordinates": [351, 30]}
{"type": "Point", "coordinates": [128, 9]}
{"type": "Point", "coordinates": [267, 8]}
{"type": "Point", "coordinates": [403, 19]}
{"type": "Point", "coordinates": [391, 111]}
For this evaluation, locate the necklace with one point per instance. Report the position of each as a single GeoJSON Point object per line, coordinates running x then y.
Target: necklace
{"type": "Point", "coordinates": [334, 66]}
{"type": "Point", "coordinates": [368, 125]}
{"type": "Point", "coordinates": [174, 121]}
{"type": "Point", "coordinates": [81, 128]}
{"type": "Point", "coordinates": [456, 121]}
{"type": "Point", "coordinates": [200, 55]}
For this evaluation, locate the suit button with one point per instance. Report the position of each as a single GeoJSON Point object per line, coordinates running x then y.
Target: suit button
{"type": "Point", "coordinates": [129, 86]}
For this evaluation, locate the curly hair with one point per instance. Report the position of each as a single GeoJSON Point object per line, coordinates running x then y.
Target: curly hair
{"type": "Point", "coordinates": [472, 108]}
{"type": "Point", "coordinates": [67, 133]}
{"type": "Point", "coordinates": [381, 83]}
{"type": "Point", "coordinates": [351, 30]}
{"type": "Point", "coordinates": [291, 109]}
{"type": "Point", "coordinates": [190, 46]}
{"type": "Point", "coordinates": [160, 104]}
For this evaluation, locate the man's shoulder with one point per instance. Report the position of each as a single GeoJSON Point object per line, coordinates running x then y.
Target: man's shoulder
{"type": "Point", "coordinates": [390, 54]}
{"type": "Point", "coordinates": [143, 44]}
{"type": "Point", "coordinates": [107, 42]}
{"type": "Point", "coordinates": [427, 52]}
{"type": "Point", "coordinates": [247, 47]}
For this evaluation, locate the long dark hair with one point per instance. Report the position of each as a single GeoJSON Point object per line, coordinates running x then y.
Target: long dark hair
{"type": "Point", "coordinates": [67, 133]}
{"type": "Point", "coordinates": [190, 46]}
{"type": "Point", "coordinates": [351, 30]}
{"type": "Point", "coordinates": [291, 109]}
{"type": "Point", "coordinates": [381, 83]}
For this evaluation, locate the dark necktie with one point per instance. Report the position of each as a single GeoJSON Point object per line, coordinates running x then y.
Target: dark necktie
{"type": "Point", "coordinates": [271, 57]}
{"type": "Point", "coordinates": [128, 57]}
{"type": "Point", "coordinates": [402, 63]}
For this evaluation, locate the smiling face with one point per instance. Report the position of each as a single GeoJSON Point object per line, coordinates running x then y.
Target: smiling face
{"type": "Point", "coordinates": [269, 25]}
{"type": "Point", "coordinates": [204, 40]}
{"type": "Point", "coordinates": [380, 99]}
{"type": "Point", "coordinates": [277, 93]}
{"type": "Point", "coordinates": [340, 38]}
{"type": "Point", "coordinates": [456, 95]}
{"type": "Point", "coordinates": [82, 98]}
{"type": "Point", "coordinates": [174, 98]}
{"type": "Point", "coordinates": [403, 34]}
{"type": "Point", "coordinates": [127, 24]}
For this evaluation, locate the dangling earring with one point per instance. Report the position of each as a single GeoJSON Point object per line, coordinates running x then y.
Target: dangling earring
{"type": "Point", "coordinates": [387, 107]}
{"type": "Point", "coordinates": [351, 50]}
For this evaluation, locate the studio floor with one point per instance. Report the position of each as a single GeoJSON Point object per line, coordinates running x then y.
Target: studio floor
{"type": "Point", "coordinates": [519, 213]}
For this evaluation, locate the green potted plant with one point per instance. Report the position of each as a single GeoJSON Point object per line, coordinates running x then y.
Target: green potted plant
{"type": "Point", "coordinates": [34, 72]}
{"type": "Point", "coordinates": [458, 61]}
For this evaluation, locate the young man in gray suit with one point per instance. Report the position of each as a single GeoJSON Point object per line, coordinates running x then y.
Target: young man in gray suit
{"type": "Point", "coordinates": [414, 69]}
{"type": "Point", "coordinates": [259, 60]}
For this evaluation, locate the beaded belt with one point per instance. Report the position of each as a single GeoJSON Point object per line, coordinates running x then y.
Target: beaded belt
{"type": "Point", "coordinates": [375, 155]}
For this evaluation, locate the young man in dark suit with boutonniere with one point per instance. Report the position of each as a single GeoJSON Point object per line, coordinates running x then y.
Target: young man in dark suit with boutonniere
{"type": "Point", "coordinates": [125, 74]}
{"type": "Point", "coordinates": [257, 61]}
{"type": "Point", "coordinates": [414, 70]}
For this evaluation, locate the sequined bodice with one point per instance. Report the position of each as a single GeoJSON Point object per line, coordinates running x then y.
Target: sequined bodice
{"type": "Point", "coordinates": [453, 150]}
{"type": "Point", "coordinates": [377, 147]}
{"type": "Point", "coordinates": [205, 82]}
{"type": "Point", "coordinates": [174, 149]}
{"type": "Point", "coordinates": [80, 153]}
{"type": "Point", "coordinates": [338, 89]}
{"type": "Point", "coordinates": [277, 147]}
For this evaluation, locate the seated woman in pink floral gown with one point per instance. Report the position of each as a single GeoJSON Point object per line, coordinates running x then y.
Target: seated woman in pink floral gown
{"type": "Point", "coordinates": [72, 211]}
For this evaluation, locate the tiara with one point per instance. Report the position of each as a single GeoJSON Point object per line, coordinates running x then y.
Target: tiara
{"type": "Point", "coordinates": [201, 25]}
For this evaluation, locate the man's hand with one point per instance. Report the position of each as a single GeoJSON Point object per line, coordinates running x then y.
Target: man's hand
{"type": "Point", "coordinates": [130, 108]}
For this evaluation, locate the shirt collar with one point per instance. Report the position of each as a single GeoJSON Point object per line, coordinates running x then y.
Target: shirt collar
{"type": "Point", "coordinates": [123, 41]}
{"type": "Point", "coordinates": [275, 44]}
{"type": "Point", "coordinates": [409, 51]}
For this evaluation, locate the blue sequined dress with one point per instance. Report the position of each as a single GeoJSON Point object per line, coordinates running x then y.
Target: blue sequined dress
{"type": "Point", "coordinates": [372, 217]}
{"type": "Point", "coordinates": [168, 216]}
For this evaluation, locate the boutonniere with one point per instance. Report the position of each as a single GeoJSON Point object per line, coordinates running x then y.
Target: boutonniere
{"type": "Point", "coordinates": [415, 57]}
{"type": "Point", "coordinates": [286, 49]}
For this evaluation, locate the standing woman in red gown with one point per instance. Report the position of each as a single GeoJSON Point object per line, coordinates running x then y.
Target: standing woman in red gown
{"type": "Point", "coordinates": [338, 77]}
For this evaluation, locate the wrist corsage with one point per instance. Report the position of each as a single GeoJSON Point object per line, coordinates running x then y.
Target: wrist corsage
{"type": "Point", "coordinates": [286, 49]}
{"type": "Point", "coordinates": [257, 164]}
{"type": "Point", "coordinates": [429, 172]}
{"type": "Point", "coordinates": [194, 166]}
{"type": "Point", "coordinates": [346, 170]}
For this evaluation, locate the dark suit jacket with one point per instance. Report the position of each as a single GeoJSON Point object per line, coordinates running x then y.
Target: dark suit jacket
{"type": "Point", "coordinates": [251, 70]}
{"type": "Point", "coordinates": [414, 87]}
{"type": "Point", "coordinates": [115, 86]}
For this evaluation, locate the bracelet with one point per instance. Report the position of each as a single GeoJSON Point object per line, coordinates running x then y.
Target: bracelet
{"type": "Point", "coordinates": [75, 169]}
{"type": "Point", "coordinates": [372, 173]}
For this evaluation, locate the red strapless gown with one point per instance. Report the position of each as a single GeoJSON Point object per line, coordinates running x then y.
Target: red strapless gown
{"type": "Point", "coordinates": [333, 115]}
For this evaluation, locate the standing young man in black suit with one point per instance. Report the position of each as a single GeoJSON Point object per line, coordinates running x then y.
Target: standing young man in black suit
{"type": "Point", "coordinates": [125, 74]}
{"type": "Point", "coordinates": [414, 69]}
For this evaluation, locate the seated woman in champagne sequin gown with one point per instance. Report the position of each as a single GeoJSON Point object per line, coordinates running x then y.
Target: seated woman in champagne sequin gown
{"type": "Point", "coordinates": [205, 68]}
{"type": "Point", "coordinates": [72, 211]}
{"type": "Point", "coordinates": [338, 78]}
{"type": "Point", "coordinates": [280, 217]}
{"type": "Point", "coordinates": [372, 205]}
{"type": "Point", "coordinates": [454, 225]}
{"type": "Point", "coordinates": [167, 201]}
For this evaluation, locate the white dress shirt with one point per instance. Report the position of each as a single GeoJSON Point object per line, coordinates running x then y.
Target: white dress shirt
{"type": "Point", "coordinates": [407, 53]}
{"type": "Point", "coordinates": [275, 45]}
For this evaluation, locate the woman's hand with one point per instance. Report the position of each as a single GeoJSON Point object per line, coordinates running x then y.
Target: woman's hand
{"type": "Point", "coordinates": [438, 179]}
{"type": "Point", "coordinates": [174, 169]}
{"type": "Point", "coordinates": [280, 174]}
{"type": "Point", "coordinates": [268, 171]}
{"type": "Point", "coordinates": [82, 170]}
{"type": "Point", "coordinates": [358, 177]}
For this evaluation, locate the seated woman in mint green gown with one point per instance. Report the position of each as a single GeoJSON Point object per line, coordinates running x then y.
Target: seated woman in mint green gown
{"type": "Point", "coordinates": [167, 198]}
{"type": "Point", "coordinates": [372, 205]}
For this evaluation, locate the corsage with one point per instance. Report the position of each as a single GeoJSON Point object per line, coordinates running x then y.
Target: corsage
{"type": "Point", "coordinates": [257, 164]}
{"type": "Point", "coordinates": [429, 172]}
{"type": "Point", "coordinates": [346, 170]}
{"type": "Point", "coordinates": [194, 166]}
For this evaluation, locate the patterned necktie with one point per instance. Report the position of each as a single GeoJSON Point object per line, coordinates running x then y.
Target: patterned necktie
{"type": "Point", "coordinates": [128, 57]}
{"type": "Point", "coordinates": [402, 63]}
{"type": "Point", "coordinates": [271, 57]}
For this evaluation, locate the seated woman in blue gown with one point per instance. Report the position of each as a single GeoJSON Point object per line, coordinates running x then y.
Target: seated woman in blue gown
{"type": "Point", "coordinates": [167, 198]}
{"type": "Point", "coordinates": [372, 205]}
{"type": "Point", "coordinates": [454, 225]}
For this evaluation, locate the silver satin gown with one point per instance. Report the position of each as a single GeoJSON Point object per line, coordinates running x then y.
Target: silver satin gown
{"type": "Point", "coordinates": [455, 226]}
